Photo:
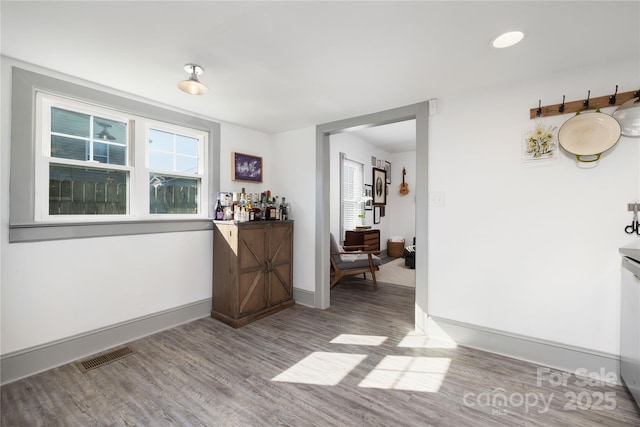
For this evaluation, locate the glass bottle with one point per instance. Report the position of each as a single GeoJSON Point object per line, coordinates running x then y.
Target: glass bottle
{"type": "Point", "coordinates": [219, 210]}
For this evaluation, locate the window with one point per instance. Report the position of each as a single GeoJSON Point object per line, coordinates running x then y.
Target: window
{"type": "Point", "coordinates": [352, 187]}
{"type": "Point", "coordinates": [86, 170]}
{"type": "Point", "coordinates": [82, 164]}
{"type": "Point", "coordinates": [176, 171]}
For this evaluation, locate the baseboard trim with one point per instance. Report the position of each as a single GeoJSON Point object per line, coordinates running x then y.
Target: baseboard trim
{"type": "Point", "coordinates": [304, 297]}
{"type": "Point", "coordinates": [547, 353]}
{"type": "Point", "coordinates": [23, 363]}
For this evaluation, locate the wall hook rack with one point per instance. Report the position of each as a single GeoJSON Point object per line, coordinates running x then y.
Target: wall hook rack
{"type": "Point", "coordinates": [575, 106]}
{"type": "Point", "coordinates": [612, 98]}
{"type": "Point", "coordinates": [585, 104]}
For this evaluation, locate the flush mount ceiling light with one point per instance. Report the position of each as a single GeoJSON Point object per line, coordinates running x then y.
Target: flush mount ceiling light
{"type": "Point", "coordinates": [192, 85]}
{"type": "Point", "coordinates": [507, 39]}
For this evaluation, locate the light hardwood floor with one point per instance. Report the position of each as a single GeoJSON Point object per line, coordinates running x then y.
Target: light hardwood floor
{"type": "Point", "coordinates": [355, 364]}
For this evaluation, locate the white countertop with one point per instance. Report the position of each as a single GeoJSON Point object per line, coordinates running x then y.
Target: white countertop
{"type": "Point", "coordinates": [632, 253]}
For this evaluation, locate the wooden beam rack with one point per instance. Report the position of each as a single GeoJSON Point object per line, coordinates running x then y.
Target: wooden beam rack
{"type": "Point", "coordinates": [575, 106]}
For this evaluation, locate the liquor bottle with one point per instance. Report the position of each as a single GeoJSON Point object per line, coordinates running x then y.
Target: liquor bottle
{"type": "Point", "coordinates": [219, 210]}
{"type": "Point", "coordinates": [276, 208]}
{"type": "Point", "coordinates": [284, 215]}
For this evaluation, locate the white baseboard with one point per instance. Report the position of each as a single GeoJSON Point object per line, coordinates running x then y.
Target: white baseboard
{"type": "Point", "coordinates": [304, 297]}
{"type": "Point", "coordinates": [23, 363]}
{"type": "Point", "coordinates": [542, 352]}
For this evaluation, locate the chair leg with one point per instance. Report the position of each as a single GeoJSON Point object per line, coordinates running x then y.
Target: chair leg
{"type": "Point", "coordinates": [337, 276]}
{"type": "Point", "coordinates": [375, 283]}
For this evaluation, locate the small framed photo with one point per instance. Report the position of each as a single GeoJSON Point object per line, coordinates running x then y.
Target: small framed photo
{"type": "Point", "coordinates": [376, 214]}
{"type": "Point", "coordinates": [387, 168]}
{"type": "Point", "coordinates": [379, 187]}
{"type": "Point", "coordinates": [374, 161]}
{"type": "Point", "coordinates": [368, 194]}
{"type": "Point", "coordinates": [245, 167]}
{"type": "Point", "coordinates": [383, 210]}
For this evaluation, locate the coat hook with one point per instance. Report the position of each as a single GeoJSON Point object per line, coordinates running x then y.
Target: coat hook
{"type": "Point", "coordinates": [612, 98]}
{"type": "Point", "coordinates": [539, 110]}
{"type": "Point", "coordinates": [585, 104]}
{"type": "Point", "coordinates": [561, 109]}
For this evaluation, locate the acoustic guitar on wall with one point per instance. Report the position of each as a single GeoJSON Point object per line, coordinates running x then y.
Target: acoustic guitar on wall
{"type": "Point", "coordinates": [404, 187]}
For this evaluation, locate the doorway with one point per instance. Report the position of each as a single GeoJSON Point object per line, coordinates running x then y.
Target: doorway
{"type": "Point", "coordinates": [355, 156]}
{"type": "Point", "coordinates": [420, 113]}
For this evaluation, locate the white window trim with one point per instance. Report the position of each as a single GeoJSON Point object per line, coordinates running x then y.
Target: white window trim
{"type": "Point", "coordinates": [344, 212]}
{"type": "Point", "coordinates": [43, 159]}
{"type": "Point", "coordinates": [203, 168]}
{"type": "Point", "coordinates": [22, 224]}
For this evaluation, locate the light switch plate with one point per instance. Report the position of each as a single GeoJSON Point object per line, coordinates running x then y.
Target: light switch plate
{"type": "Point", "coordinates": [436, 199]}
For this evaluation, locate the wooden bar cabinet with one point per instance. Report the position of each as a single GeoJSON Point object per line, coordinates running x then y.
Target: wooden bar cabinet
{"type": "Point", "coordinates": [252, 270]}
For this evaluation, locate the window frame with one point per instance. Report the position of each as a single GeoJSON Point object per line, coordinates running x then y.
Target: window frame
{"type": "Point", "coordinates": [347, 213]}
{"type": "Point", "coordinates": [23, 226]}
{"type": "Point", "coordinates": [203, 168]}
{"type": "Point", "coordinates": [43, 159]}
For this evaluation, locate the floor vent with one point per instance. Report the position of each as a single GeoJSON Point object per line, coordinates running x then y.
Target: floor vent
{"type": "Point", "coordinates": [104, 359]}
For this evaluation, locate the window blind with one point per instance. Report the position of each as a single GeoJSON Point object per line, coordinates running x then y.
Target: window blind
{"type": "Point", "coordinates": [352, 185]}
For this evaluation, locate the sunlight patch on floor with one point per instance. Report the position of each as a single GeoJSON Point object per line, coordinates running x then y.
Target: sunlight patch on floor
{"type": "Point", "coordinates": [408, 373]}
{"type": "Point", "coordinates": [321, 368]}
{"type": "Point", "coordinates": [358, 339]}
{"type": "Point", "coordinates": [415, 340]}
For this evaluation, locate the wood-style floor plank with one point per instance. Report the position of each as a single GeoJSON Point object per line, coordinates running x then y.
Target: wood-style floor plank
{"type": "Point", "coordinates": [285, 370]}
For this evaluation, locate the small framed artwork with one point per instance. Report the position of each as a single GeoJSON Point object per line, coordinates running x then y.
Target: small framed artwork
{"type": "Point", "coordinates": [379, 190]}
{"type": "Point", "coordinates": [368, 197]}
{"type": "Point", "coordinates": [376, 214]}
{"type": "Point", "coordinates": [374, 161]}
{"type": "Point", "coordinates": [245, 167]}
{"type": "Point", "coordinates": [540, 143]}
{"type": "Point", "coordinates": [383, 210]}
{"type": "Point", "coordinates": [387, 168]}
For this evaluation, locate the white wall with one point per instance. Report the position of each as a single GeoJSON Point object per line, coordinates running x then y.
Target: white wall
{"type": "Point", "coordinates": [400, 210]}
{"type": "Point", "coordinates": [234, 138]}
{"type": "Point", "coordinates": [526, 248]}
{"type": "Point", "coordinates": [57, 289]}
{"type": "Point", "coordinates": [293, 163]}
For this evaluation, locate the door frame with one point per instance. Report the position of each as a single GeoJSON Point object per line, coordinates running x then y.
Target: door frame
{"type": "Point", "coordinates": [419, 112]}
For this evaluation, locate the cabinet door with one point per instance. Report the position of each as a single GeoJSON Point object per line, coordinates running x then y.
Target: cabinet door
{"type": "Point", "coordinates": [252, 293]}
{"type": "Point", "coordinates": [280, 263]}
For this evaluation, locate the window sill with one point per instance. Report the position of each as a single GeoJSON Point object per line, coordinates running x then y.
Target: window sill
{"type": "Point", "coordinates": [61, 231]}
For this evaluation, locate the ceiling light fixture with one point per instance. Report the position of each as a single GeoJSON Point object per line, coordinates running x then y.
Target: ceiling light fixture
{"type": "Point", "coordinates": [192, 85]}
{"type": "Point", "coordinates": [507, 39]}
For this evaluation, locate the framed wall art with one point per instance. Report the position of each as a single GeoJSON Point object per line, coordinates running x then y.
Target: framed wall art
{"type": "Point", "coordinates": [368, 196]}
{"type": "Point", "coordinates": [387, 168]}
{"type": "Point", "coordinates": [379, 187]}
{"type": "Point", "coordinates": [245, 167]}
{"type": "Point", "coordinates": [376, 214]}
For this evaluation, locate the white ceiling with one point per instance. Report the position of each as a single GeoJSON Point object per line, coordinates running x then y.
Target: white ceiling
{"type": "Point", "coordinates": [277, 66]}
{"type": "Point", "coordinates": [397, 137]}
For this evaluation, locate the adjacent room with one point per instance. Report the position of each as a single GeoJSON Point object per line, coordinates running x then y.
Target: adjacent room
{"type": "Point", "coordinates": [187, 187]}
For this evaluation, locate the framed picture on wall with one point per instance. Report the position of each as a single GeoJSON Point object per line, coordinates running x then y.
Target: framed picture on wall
{"type": "Point", "coordinates": [379, 184]}
{"type": "Point", "coordinates": [245, 167]}
{"type": "Point", "coordinates": [376, 214]}
{"type": "Point", "coordinates": [368, 196]}
{"type": "Point", "coordinates": [387, 168]}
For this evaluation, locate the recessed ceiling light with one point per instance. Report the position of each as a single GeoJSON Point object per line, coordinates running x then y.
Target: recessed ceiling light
{"type": "Point", "coordinates": [507, 39]}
